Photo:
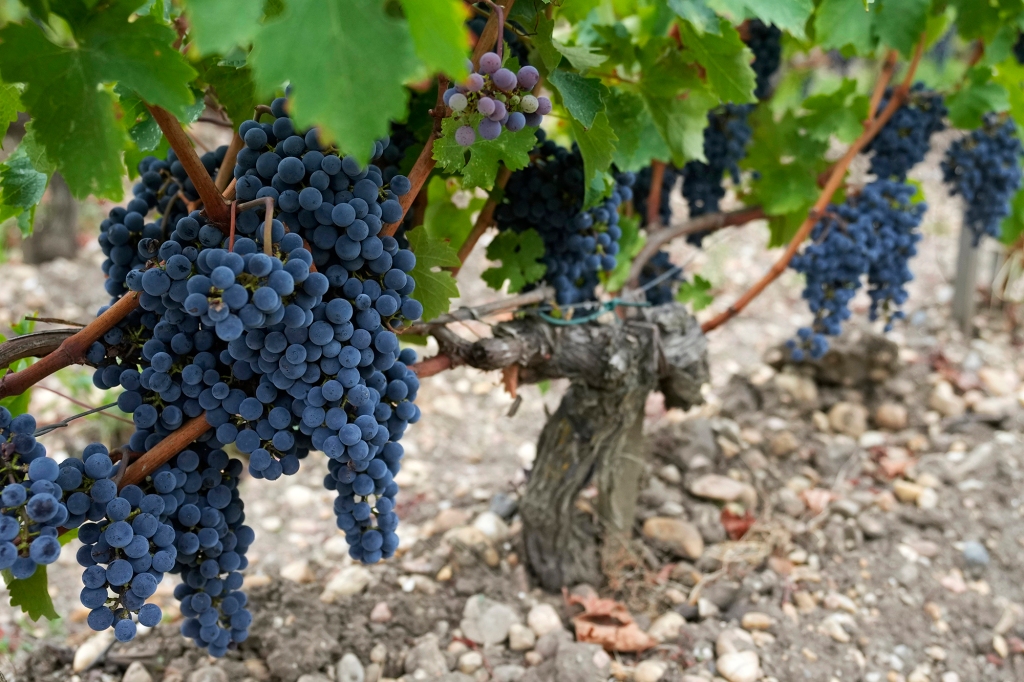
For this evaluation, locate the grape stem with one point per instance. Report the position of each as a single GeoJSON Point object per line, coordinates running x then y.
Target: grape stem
{"type": "Point", "coordinates": [71, 351]}
{"type": "Point", "coordinates": [216, 208]}
{"type": "Point", "coordinates": [225, 175]}
{"type": "Point", "coordinates": [483, 221]}
{"type": "Point", "coordinates": [705, 223]}
{"type": "Point", "coordinates": [165, 450]}
{"type": "Point", "coordinates": [654, 194]}
{"type": "Point", "coordinates": [872, 126]}
{"type": "Point", "coordinates": [500, 38]}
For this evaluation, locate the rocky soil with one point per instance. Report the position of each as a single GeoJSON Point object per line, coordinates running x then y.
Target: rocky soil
{"type": "Point", "coordinates": [859, 518]}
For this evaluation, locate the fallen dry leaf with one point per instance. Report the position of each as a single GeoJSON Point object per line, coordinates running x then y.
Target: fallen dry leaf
{"type": "Point", "coordinates": [608, 623]}
{"type": "Point", "coordinates": [736, 526]}
{"type": "Point", "coordinates": [510, 377]}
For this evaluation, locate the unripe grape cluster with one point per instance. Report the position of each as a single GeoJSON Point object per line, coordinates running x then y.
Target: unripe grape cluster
{"type": "Point", "coordinates": [494, 97]}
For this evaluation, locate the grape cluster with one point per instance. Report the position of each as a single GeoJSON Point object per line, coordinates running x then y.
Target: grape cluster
{"type": "Point", "coordinates": [547, 196]}
{"type": "Point", "coordinates": [162, 185]}
{"type": "Point", "coordinates": [661, 270]}
{"type": "Point", "coordinates": [871, 234]}
{"type": "Point", "coordinates": [32, 502]}
{"type": "Point", "coordinates": [725, 145]}
{"type": "Point", "coordinates": [495, 97]}
{"type": "Point", "coordinates": [984, 168]}
{"type": "Point", "coordinates": [642, 190]}
{"type": "Point", "coordinates": [903, 141]}
{"type": "Point", "coordinates": [765, 41]}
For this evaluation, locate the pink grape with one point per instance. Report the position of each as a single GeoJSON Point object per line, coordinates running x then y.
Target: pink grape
{"type": "Point", "coordinates": [485, 106]}
{"type": "Point", "coordinates": [504, 80]}
{"type": "Point", "coordinates": [474, 83]}
{"type": "Point", "coordinates": [489, 63]}
{"type": "Point", "coordinates": [543, 106]}
{"type": "Point", "coordinates": [489, 129]}
{"type": "Point", "coordinates": [499, 111]}
{"type": "Point", "coordinates": [465, 136]}
{"type": "Point", "coordinates": [528, 77]}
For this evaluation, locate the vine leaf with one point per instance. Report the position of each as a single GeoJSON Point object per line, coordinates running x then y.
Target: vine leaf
{"type": "Point", "coordinates": [789, 15]}
{"type": "Point", "coordinates": [678, 102]}
{"type": "Point", "coordinates": [31, 595]}
{"type": "Point", "coordinates": [695, 293]}
{"type": "Point", "coordinates": [438, 30]}
{"type": "Point", "coordinates": [597, 146]}
{"type": "Point", "coordinates": [582, 57]}
{"type": "Point", "coordinates": [839, 23]}
{"type": "Point", "coordinates": [520, 254]}
{"type": "Point", "coordinates": [10, 104]}
{"type": "Point", "coordinates": [901, 22]}
{"type": "Point", "coordinates": [353, 37]}
{"type": "Point", "coordinates": [980, 95]}
{"type": "Point", "coordinates": [639, 140]}
{"type": "Point", "coordinates": [232, 88]}
{"type": "Point", "coordinates": [450, 211]}
{"type": "Point", "coordinates": [21, 189]}
{"type": "Point", "coordinates": [74, 117]}
{"type": "Point", "coordinates": [836, 113]}
{"type": "Point", "coordinates": [725, 59]}
{"type": "Point", "coordinates": [512, 149]}
{"type": "Point", "coordinates": [434, 287]}
{"type": "Point", "coordinates": [220, 25]}
{"type": "Point", "coordinates": [701, 17]}
{"type": "Point", "coordinates": [583, 97]}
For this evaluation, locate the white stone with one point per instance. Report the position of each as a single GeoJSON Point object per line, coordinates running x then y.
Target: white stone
{"type": "Point", "coordinates": [666, 627]}
{"type": "Point", "coordinates": [470, 662]}
{"type": "Point", "coordinates": [347, 582]}
{"type": "Point", "coordinates": [492, 526]}
{"type": "Point", "coordinates": [486, 621]}
{"type": "Point", "coordinates": [649, 671]}
{"type": "Point", "coordinates": [349, 669]}
{"type": "Point", "coordinates": [724, 489]}
{"type": "Point", "coordinates": [742, 666]}
{"type": "Point", "coordinates": [298, 572]}
{"type": "Point", "coordinates": [543, 618]}
{"type": "Point", "coordinates": [521, 638]}
{"type": "Point", "coordinates": [87, 655]}
{"type": "Point", "coordinates": [137, 672]}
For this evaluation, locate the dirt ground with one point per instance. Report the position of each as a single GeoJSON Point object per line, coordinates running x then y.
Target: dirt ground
{"type": "Point", "coordinates": [883, 486]}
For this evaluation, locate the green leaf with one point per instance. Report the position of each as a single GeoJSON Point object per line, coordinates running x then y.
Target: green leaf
{"type": "Point", "coordinates": [597, 146]}
{"type": "Point", "coordinates": [434, 286]}
{"type": "Point", "coordinates": [839, 23]}
{"type": "Point", "coordinates": [582, 57]}
{"type": "Point", "coordinates": [438, 30]}
{"type": "Point", "coordinates": [695, 293]}
{"type": "Point", "coordinates": [630, 244]}
{"type": "Point", "coordinates": [512, 149]}
{"type": "Point", "coordinates": [678, 102]}
{"type": "Point", "coordinates": [725, 59]}
{"type": "Point", "coordinates": [346, 61]}
{"type": "Point", "coordinates": [10, 104]}
{"type": "Point", "coordinates": [979, 19]}
{"type": "Point", "coordinates": [789, 15]}
{"type": "Point", "coordinates": [520, 254]}
{"type": "Point", "coordinates": [74, 118]}
{"type": "Point", "coordinates": [836, 113]}
{"type": "Point", "coordinates": [581, 96]}
{"type": "Point", "coordinates": [35, 151]}
{"type": "Point", "coordinates": [232, 88]}
{"type": "Point", "coordinates": [900, 23]}
{"type": "Point", "coordinates": [1013, 224]}
{"type": "Point", "coordinates": [639, 139]}
{"type": "Point", "coordinates": [31, 595]}
{"type": "Point", "coordinates": [544, 42]}
{"type": "Point", "coordinates": [21, 189]}
{"type": "Point", "coordinates": [444, 219]}
{"type": "Point", "coordinates": [219, 25]}
{"type": "Point", "coordinates": [1010, 75]}
{"type": "Point", "coordinates": [980, 95]}
{"type": "Point", "coordinates": [701, 17]}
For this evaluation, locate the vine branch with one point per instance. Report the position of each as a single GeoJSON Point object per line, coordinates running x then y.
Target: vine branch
{"type": "Point", "coordinates": [654, 193]}
{"type": "Point", "coordinates": [872, 126]}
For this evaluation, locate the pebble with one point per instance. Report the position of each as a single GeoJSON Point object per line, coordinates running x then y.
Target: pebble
{"type": "Point", "coordinates": [891, 416]}
{"type": "Point", "coordinates": [374, 671]}
{"type": "Point", "coordinates": [945, 401]}
{"type": "Point", "coordinates": [666, 627]}
{"type": "Point", "coordinates": [521, 638]}
{"type": "Point", "coordinates": [936, 653]}
{"type": "Point", "coordinates": [649, 671]}
{"type": "Point", "coordinates": [784, 443]}
{"type": "Point", "coordinates": [733, 640]}
{"type": "Point", "coordinates": [487, 622]}
{"type": "Point", "coordinates": [347, 582]}
{"type": "Point", "coordinates": [680, 537]}
{"type": "Point", "coordinates": [1000, 646]}
{"type": "Point", "coordinates": [137, 672]}
{"type": "Point", "coordinates": [755, 620]}
{"type": "Point", "coordinates": [848, 418]}
{"type": "Point", "coordinates": [547, 645]}
{"type": "Point", "coordinates": [839, 602]}
{"type": "Point", "coordinates": [928, 499]}
{"type": "Point", "coordinates": [349, 669]}
{"type": "Point", "coordinates": [312, 677]}
{"type": "Point", "coordinates": [670, 474]}
{"type": "Point", "coordinates": [950, 676]}
{"type": "Point", "coordinates": [508, 673]}
{"type": "Point", "coordinates": [87, 655]}
{"type": "Point", "coordinates": [723, 489]}
{"type": "Point", "coordinates": [208, 674]}
{"type": "Point", "coordinates": [742, 666]}
{"type": "Point", "coordinates": [470, 662]}
{"type": "Point", "coordinates": [381, 613]}
{"type": "Point", "coordinates": [447, 519]}
{"type": "Point", "coordinates": [426, 656]}
{"type": "Point", "coordinates": [379, 652]}
{"type": "Point", "coordinates": [543, 618]}
{"type": "Point", "coordinates": [533, 658]}
{"type": "Point", "coordinates": [997, 382]}
{"type": "Point", "coordinates": [835, 630]}
{"type": "Point", "coordinates": [975, 553]}
{"type": "Point", "coordinates": [906, 491]}
{"type": "Point", "coordinates": [492, 526]}
{"type": "Point", "coordinates": [298, 572]}
{"type": "Point", "coordinates": [257, 668]}
{"type": "Point", "coordinates": [872, 526]}
{"type": "Point", "coordinates": [504, 506]}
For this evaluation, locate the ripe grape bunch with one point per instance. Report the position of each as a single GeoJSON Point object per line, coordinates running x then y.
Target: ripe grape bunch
{"type": "Point", "coordinates": [547, 196]}
{"type": "Point", "coordinates": [870, 234]}
{"type": "Point", "coordinates": [765, 41]}
{"type": "Point", "coordinates": [984, 168]}
{"type": "Point", "coordinates": [903, 141]}
{"type": "Point", "coordinates": [494, 97]}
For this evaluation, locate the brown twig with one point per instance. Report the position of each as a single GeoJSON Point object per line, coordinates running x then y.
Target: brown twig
{"type": "Point", "coordinates": [165, 450]}
{"type": "Point", "coordinates": [483, 221]}
{"type": "Point", "coordinates": [654, 194]}
{"type": "Point", "coordinates": [226, 172]}
{"type": "Point", "coordinates": [55, 320]}
{"type": "Point", "coordinates": [835, 180]}
{"type": "Point", "coordinates": [213, 203]}
{"type": "Point", "coordinates": [883, 80]}
{"type": "Point", "coordinates": [33, 345]}
{"type": "Point", "coordinates": [705, 223]}
{"type": "Point", "coordinates": [432, 366]}
{"type": "Point", "coordinates": [71, 351]}
{"type": "Point", "coordinates": [85, 405]}
{"type": "Point", "coordinates": [537, 295]}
